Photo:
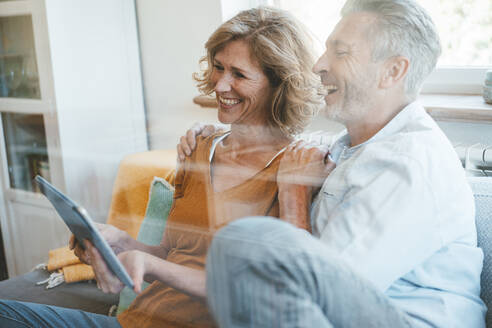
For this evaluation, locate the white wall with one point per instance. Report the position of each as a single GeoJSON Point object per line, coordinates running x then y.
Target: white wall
{"type": "Point", "coordinates": [97, 92]}
{"type": "Point", "coordinates": [172, 37]}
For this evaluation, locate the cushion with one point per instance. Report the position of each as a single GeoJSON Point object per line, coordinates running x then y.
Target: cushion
{"type": "Point", "coordinates": [482, 191]}
{"type": "Point", "coordinates": [131, 187]}
{"type": "Point", "coordinates": [152, 228]}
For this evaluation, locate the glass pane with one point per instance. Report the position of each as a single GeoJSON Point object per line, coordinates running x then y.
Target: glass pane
{"type": "Point", "coordinates": [465, 27]}
{"type": "Point", "coordinates": [18, 67]}
{"type": "Point", "coordinates": [27, 156]}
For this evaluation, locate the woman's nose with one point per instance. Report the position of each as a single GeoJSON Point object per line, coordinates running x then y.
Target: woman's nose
{"type": "Point", "coordinates": [223, 84]}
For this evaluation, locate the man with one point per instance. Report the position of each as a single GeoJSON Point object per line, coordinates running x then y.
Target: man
{"type": "Point", "coordinates": [395, 218]}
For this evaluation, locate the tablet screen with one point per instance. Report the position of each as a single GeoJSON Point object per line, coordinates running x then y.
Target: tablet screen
{"type": "Point", "coordinates": [80, 224]}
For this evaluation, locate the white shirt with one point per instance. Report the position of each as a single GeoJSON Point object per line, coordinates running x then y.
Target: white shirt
{"type": "Point", "coordinates": [399, 211]}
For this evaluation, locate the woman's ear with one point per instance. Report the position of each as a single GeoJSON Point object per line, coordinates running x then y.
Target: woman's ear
{"type": "Point", "coordinates": [395, 69]}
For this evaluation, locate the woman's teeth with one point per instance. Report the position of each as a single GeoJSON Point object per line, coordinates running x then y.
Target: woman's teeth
{"type": "Point", "coordinates": [229, 102]}
{"type": "Point", "coordinates": [330, 88]}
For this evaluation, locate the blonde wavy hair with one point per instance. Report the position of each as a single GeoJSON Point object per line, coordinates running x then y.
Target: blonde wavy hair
{"type": "Point", "coordinates": [283, 48]}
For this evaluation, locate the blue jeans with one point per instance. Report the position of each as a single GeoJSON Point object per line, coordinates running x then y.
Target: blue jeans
{"type": "Point", "coordinates": [14, 314]}
{"type": "Point", "coordinates": [262, 272]}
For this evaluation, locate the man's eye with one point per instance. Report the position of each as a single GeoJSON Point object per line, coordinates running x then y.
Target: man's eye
{"type": "Point", "coordinates": [239, 75]}
{"type": "Point", "coordinates": [340, 53]}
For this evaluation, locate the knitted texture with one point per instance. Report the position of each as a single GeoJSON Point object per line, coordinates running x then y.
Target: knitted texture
{"type": "Point", "coordinates": [152, 228]}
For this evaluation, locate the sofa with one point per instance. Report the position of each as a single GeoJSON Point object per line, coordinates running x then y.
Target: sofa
{"type": "Point", "coordinates": [482, 191]}
{"type": "Point", "coordinates": [128, 207]}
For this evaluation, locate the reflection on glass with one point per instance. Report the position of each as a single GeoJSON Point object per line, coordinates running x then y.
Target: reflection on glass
{"type": "Point", "coordinates": [27, 156]}
{"type": "Point", "coordinates": [18, 67]}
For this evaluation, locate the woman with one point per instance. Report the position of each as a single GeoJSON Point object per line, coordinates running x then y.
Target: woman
{"type": "Point", "coordinates": [259, 67]}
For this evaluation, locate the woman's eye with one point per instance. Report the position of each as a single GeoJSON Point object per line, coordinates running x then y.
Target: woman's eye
{"type": "Point", "coordinates": [218, 67]}
{"type": "Point", "coordinates": [239, 75]}
{"type": "Point", "coordinates": [340, 53]}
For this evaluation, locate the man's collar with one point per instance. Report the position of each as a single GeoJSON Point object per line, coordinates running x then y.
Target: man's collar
{"type": "Point", "coordinates": [342, 145]}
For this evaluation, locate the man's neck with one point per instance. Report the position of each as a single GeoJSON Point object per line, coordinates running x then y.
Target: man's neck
{"type": "Point", "coordinates": [376, 118]}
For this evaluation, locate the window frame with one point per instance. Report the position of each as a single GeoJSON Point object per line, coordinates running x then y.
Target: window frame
{"type": "Point", "coordinates": [455, 80]}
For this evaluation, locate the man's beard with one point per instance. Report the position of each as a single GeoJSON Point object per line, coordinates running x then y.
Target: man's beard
{"type": "Point", "coordinates": [355, 104]}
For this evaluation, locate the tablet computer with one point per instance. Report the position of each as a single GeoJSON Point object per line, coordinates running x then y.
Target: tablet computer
{"type": "Point", "coordinates": [81, 225]}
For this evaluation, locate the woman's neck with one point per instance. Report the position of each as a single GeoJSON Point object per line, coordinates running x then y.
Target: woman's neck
{"type": "Point", "coordinates": [255, 137]}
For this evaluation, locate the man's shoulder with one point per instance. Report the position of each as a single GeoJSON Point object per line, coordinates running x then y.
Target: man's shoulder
{"type": "Point", "coordinates": [425, 144]}
{"type": "Point", "coordinates": [423, 153]}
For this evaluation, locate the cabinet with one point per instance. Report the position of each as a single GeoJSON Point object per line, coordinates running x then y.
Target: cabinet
{"type": "Point", "coordinates": [71, 107]}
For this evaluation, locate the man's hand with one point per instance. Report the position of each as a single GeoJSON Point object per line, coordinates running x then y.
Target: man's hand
{"type": "Point", "coordinates": [187, 143]}
{"type": "Point", "coordinates": [116, 238]}
{"type": "Point", "coordinates": [304, 164]}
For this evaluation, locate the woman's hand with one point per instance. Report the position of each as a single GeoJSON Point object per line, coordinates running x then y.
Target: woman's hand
{"type": "Point", "coordinates": [106, 280]}
{"type": "Point", "coordinates": [133, 261]}
{"type": "Point", "coordinates": [187, 143]}
{"type": "Point", "coordinates": [117, 239]}
{"type": "Point", "coordinates": [135, 264]}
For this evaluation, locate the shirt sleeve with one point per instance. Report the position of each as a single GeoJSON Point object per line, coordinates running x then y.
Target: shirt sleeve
{"type": "Point", "coordinates": [387, 222]}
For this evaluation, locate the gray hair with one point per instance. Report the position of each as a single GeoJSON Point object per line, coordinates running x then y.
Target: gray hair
{"type": "Point", "coordinates": [403, 28]}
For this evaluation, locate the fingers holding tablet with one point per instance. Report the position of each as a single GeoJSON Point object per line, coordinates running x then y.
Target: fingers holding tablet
{"type": "Point", "coordinates": [78, 250]}
{"type": "Point", "coordinates": [106, 280]}
{"type": "Point", "coordinates": [134, 263]}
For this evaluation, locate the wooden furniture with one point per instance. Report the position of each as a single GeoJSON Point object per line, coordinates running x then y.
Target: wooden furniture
{"type": "Point", "coordinates": [71, 107]}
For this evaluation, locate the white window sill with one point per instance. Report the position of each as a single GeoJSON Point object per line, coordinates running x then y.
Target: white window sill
{"type": "Point", "coordinates": [442, 107]}
{"type": "Point", "coordinates": [457, 108]}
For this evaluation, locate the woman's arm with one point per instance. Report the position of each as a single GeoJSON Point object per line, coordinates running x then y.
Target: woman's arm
{"type": "Point", "coordinates": [187, 280]}
{"type": "Point", "coordinates": [144, 266]}
{"type": "Point", "coordinates": [120, 241]}
{"type": "Point", "coordinates": [294, 205]}
{"type": "Point", "coordinates": [303, 169]}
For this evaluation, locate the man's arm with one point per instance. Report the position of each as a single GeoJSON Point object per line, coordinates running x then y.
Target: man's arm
{"type": "Point", "coordinates": [187, 143]}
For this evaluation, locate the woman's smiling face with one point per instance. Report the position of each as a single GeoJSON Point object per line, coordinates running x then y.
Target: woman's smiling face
{"type": "Point", "coordinates": [242, 89]}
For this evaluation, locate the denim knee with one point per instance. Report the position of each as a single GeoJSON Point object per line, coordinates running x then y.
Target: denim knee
{"type": "Point", "coordinates": [260, 229]}
{"type": "Point", "coordinates": [258, 239]}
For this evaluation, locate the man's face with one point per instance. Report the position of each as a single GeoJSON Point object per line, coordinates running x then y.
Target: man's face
{"type": "Point", "coordinates": [347, 70]}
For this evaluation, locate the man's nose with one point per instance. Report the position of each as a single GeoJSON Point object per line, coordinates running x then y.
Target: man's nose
{"type": "Point", "coordinates": [322, 65]}
{"type": "Point", "coordinates": [223, 84]}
